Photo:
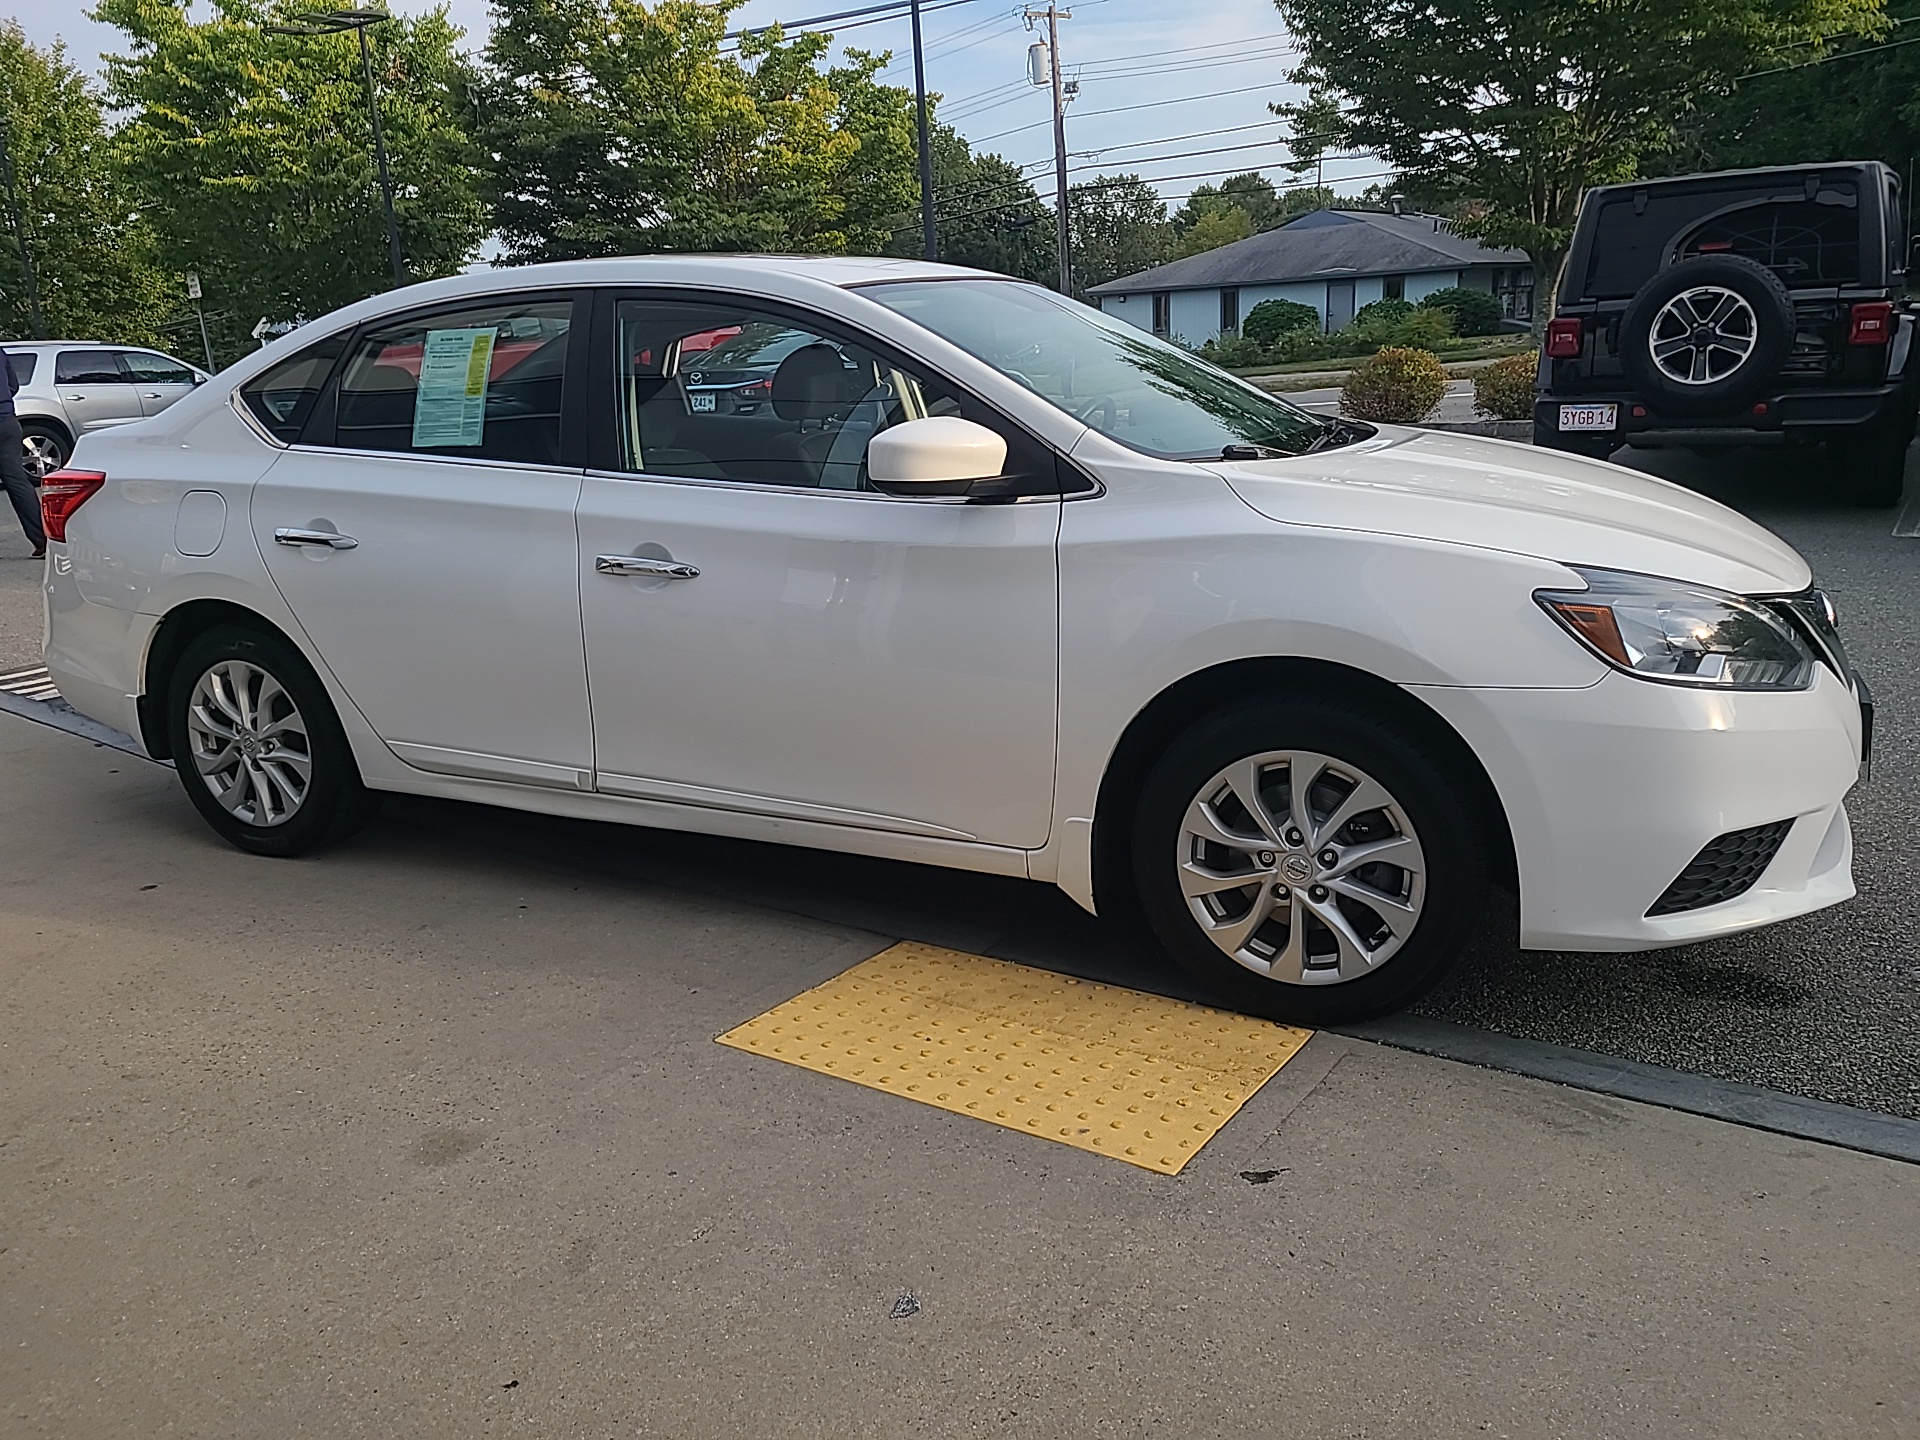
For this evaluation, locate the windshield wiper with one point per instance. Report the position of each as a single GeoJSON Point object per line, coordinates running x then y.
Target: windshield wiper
{"type": "Point", "coordinates": [1248, 450]}
{"type": "Point", "coordinates": [1334, 430]}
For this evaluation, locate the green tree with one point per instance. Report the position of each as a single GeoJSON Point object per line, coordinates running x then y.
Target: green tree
{"type": "Point", "coordinates": [1266, 206]}
{"type": "Point", "coordinates": [615, 127]}
{"type": "Point", "coordinates": [1214, 229]}
{"type": "Point", "coordinates": [1520, 105]}
{"type": "Point", "coordinates": [1855, 102]}
{"type": "Point", "coordinates": [988, 214]}
{"type": "Point", "coordinates": [92, 259]}
{"type": "Point", "coordinates": [1118, 226]}
{"type": "Point", "coordinates": [251, 154]}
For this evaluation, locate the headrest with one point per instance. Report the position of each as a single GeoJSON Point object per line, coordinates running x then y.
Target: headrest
{"type": "Point", "coordinates": [814, 383]}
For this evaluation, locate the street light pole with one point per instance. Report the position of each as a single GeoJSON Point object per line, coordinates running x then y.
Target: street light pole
{"type": "Point", "coordinates": [329, 22]}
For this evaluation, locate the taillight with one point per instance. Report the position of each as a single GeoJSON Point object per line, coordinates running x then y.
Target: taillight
{"type": "Point", "coordinates": [1563, 338]}
{"type": "Point", "coordinates": [62, 493]}
{"type": "Point", "coordinates": [1872, 323]}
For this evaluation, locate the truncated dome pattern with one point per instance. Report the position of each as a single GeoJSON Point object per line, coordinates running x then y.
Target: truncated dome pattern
{"type": "Point", "coordinates": [1114, 1071]}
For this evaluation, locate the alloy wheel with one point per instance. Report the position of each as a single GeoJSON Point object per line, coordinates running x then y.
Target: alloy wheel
{"type": "Point", "coordinates": [1302, 868]}
{"type": "Point", "coordinates": [41, 455]}
{"type": "Point", "coordinates": [1703, 335]}
{"type": "Point", "coordinates": [249, 743]}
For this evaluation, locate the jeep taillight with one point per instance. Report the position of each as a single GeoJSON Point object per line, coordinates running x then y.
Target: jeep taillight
{"type": "Point", "coordinates": [62, 493]}
{"type": "Point", "coordinates": [1563, 338]}
{"type": "Point", "coordinates": [1872, 323]}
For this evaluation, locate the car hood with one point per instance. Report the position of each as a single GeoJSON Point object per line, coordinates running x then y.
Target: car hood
{"type": "Point", "coordinates": [1503, 496]}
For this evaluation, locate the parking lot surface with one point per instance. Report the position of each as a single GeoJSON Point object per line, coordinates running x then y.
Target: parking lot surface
{"type": "Point", "coordinates": [430, 1137]}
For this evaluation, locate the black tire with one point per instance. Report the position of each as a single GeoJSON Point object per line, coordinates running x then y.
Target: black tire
{"type": "Point", "coordinates": [44, 448]}
{"type": "Point", "coordinates": [332, 804]}
{"type": "Point", "coordinates": [1548, 438]}
{"type": "Point", "coordinates": [1425, 782]}
{"type": "Point", "coordinates": [1871, 464]}
{"type": "Point", "coordinates": [1772, 335]}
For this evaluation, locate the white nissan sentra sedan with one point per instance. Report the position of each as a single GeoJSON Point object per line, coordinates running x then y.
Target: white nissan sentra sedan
{"type": "Point", "coordinates": [967, 574]}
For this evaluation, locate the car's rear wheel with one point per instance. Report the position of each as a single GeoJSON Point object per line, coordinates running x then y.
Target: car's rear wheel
{"type": "Point", "coordinates": [1310, 861]}
{"type": "Point", "coordinates": [44, 449]}
{"type": "Point", "coordinates": [259, 748]}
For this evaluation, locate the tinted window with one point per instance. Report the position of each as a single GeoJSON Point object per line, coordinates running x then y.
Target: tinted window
{"type": "Point", "coordinates": [87, 367]}
{"type": "Point", "coordinates": [774, 403]}
{"type": "Point", "coordinates": [1123, 382]}
{"type": "Point", "coordinates": [483, 381]}
{"type": "Point", "coordinates": [283, 397]}
{"type": "Point", "coordinates": [151, 369]}
{"type": "Point", "coordinates": [1803, 241]}
{"type": "Point", "coordinates": [23, 366]}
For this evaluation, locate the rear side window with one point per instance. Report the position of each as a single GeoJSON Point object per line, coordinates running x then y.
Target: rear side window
{"type": "Point", "coordinates": [282, 397]}
{"type": "Point", "coordinates": [88, 367]}
{"type": "Point", "coordinates": [23, 366]}
{"type": "Point", "coordinates": [484, 381]}
{"type": "Point", "coordinates": [1804, 240]}
{"type": "Point", "coordinates": [151, 369]}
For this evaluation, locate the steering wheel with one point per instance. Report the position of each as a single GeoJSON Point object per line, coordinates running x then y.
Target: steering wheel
{"type": "Point", "coordinates": [1103, 405]}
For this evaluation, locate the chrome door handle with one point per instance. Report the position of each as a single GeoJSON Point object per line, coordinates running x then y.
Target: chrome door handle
{"type": "Point", "coordinates": [149, 394]}
{"type": "Point", "coordinates": [331, 539]}
{"type": "Point", "coordinates": [645, 565]}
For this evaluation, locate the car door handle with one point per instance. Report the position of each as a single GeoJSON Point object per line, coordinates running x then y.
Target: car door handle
{"type": "Point", "coordinates": [329, 538]}
{"type": "Point", "coordinates": [149, 394]}
{"type": "Point", "coordinates": [645, 565]}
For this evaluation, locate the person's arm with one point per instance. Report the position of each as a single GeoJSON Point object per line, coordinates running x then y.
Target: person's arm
{"type": "Point", "coordinates": [13, 380]}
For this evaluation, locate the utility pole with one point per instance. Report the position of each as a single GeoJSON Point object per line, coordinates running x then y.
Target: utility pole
{"type": "Point", "coordinates": [1063, 237]}
{"type": "Point", "coordinates": [932, 242]}
{"type": "Point", "coordinates": [35, 316]}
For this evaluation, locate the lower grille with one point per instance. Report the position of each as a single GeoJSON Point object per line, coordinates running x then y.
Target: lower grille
{"type": "Point", "coordinates": [1726, 868]}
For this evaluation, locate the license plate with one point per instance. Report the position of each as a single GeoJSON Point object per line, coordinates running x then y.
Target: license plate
{"type": "Point", "coordinates": [701, 404]}
{"type": "Point", "coordinates": [1589, 417]}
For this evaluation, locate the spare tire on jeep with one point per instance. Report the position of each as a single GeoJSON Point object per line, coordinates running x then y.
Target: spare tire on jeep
{"type": "Point", "coordinates": [1706, 336]}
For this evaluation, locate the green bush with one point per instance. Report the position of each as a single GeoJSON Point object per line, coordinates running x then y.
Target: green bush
{"type": "Point", "coordinates": [1398, 386]}
{"type": "Point", "coordinates": [1235, 352]}
{"type": "Point", "coordinates": [1380, 318]}
{"type": "Point", "coordinates": [1424, 329]}
{"type": "Point", "coordinates": [1504, 390]}
{"type": "Point", "coordinates": [1271, 319]}
{"type": "Point", "coordinates": [1474, 312]}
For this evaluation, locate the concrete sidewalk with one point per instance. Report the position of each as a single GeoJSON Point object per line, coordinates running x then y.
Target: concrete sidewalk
{"type": "Point", "coordinates": [422, 1139]}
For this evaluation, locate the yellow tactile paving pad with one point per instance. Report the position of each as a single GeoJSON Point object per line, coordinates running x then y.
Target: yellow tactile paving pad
{"type": "Point", "coordinates": [1114, 1071]}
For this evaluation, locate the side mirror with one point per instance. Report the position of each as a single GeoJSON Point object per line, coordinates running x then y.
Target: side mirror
{"type": "Point", "coordinates": [941, 455]}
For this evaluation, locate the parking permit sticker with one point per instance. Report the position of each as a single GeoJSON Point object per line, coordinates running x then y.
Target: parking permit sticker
{"type": "Point", "coordinates": [452, 407]}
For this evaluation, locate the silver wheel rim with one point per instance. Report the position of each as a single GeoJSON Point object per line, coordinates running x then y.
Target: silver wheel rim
{"type": "Point", "coordinates": [250, 745]}
{"type": "Point", "coordinates": [1302, 868]}
{"type": "Point", "coordinates": [1703, 335]}
{"type": "Point", "coordinates": [41, 455]}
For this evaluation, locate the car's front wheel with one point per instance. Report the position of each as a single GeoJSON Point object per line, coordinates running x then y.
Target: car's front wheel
{"type": "Point", "coordinates": [259, 748]}
{"type": "Point", "coordinates": [1311, 861]}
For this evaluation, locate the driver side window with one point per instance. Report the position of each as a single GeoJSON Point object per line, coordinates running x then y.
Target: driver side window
{"type": "Point", "coordinates": [710, 390]}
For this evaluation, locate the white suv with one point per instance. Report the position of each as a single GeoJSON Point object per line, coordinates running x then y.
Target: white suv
{"type": "Point", "coordinates": [990, 581]}
{"type": "Point", "coordinates": [71, 387]}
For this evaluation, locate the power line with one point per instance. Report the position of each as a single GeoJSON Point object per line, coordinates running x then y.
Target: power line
{"type": "Point", "coordinates": [1118, 110]}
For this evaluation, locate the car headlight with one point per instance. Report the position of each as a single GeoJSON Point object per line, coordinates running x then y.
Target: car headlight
{"type": "Point", "coordinates": [1682, 634]}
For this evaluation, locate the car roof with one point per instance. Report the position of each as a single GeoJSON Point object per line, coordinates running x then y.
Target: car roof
{"type": "Point", "coordinates": [1758, 173]}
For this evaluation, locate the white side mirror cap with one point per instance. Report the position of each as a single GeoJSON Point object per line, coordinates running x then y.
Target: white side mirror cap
{"type": "Point", "coordinates": [941, 455]}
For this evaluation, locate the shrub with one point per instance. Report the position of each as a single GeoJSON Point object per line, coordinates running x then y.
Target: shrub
{"type": "Point", "coordinates": [1474, 312]}
{"type": "Point", "coordinates": [1271, 319]}
{"type": "Point", "coordinates": [1424, 329]}
{"type": "Point", "coordinates": [1504, 389]}
{"type": "Point", "coordinates": [1381, 315]}
{"type": "Point", "coordinates": [1399, 386]}
{"type": "Point", "coordinates": [1234, 351]}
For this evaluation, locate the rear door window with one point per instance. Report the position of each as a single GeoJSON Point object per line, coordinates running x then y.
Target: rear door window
{"type": "Point", "coordinates": [281, 398]}
{"type": "Point", "coordinates": [88, 367]}
{"type": "Point", "coordinates": [484, 381]}
{"type": "Point", "coordinates": [23, 366]}
{"type": "Point", "coordinates": [151, 369]}
{"type": "Point", "coordinates": [1805, 240]}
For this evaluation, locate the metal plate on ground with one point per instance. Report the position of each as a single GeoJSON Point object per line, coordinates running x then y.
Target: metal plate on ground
{"type": "Point", "coordinates": [1117, 1072]}
{"type": "Point", "coordinates": [32, 695]}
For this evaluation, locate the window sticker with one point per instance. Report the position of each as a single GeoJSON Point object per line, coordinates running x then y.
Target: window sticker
{"type": "Point", "coordinates": [452, 408]}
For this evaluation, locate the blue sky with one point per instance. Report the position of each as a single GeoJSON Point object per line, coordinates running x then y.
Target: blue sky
{"type": "Point", "coordinates": [1159, 79]}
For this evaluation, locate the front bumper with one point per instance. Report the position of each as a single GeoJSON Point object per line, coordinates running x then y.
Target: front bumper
{"type": "Point", "coordinates": [1809, 414]}
{"type": "Point", "coordinates": [1612, 791]}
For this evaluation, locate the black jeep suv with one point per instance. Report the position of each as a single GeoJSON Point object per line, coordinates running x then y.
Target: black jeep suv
{"type": "Point", "coordinates": [1729, 308]}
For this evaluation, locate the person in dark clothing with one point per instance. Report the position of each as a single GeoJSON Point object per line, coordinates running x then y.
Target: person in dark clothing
{"type": "Point", "coordinates": [13, 462]}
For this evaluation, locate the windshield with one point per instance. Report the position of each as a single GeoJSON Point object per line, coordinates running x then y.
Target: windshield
{"type": "Point", "coordinates": [1122, 381]}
